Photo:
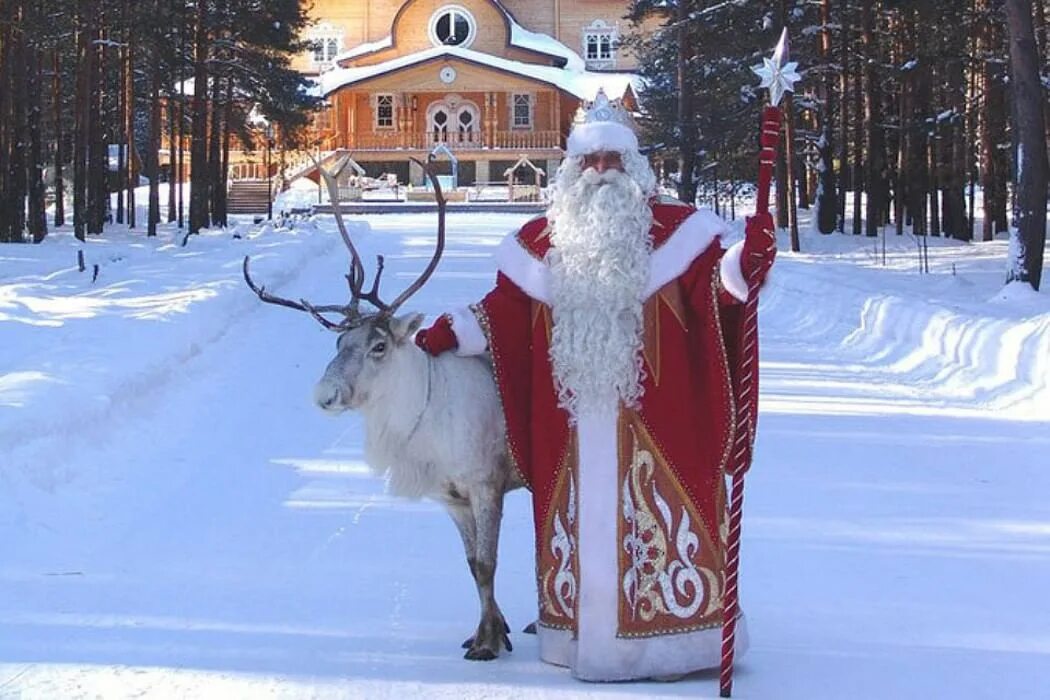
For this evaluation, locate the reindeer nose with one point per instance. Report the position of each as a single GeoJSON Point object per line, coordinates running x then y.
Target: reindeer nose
{"type": "Point", "coordinates": [327, 397]}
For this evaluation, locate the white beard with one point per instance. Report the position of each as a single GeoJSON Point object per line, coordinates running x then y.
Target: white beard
{"type": "Point", "coordinates": [599, 263]}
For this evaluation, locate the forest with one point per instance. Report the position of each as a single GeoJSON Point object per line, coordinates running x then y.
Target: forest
{"type": "Point", "coordinates": [907, 112]}
{"type": "Point", "coordinates": [912, 114]}
{"type": "Point", "coordinates": [91, 89]}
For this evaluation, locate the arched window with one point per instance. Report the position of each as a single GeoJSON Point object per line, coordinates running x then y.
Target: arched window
{"type": "Point", "coordinates": [452, 25]}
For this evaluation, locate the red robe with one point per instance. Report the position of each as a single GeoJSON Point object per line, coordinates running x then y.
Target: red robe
{"type": "Point", "coordinates": [629, 507]}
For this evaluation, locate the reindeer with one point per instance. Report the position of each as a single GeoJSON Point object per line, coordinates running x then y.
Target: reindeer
{"type": "Point", "coordinates": [433, 425]}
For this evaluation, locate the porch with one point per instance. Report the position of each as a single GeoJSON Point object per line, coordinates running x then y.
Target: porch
{"type": "Point", "coordinates": [515, 141]}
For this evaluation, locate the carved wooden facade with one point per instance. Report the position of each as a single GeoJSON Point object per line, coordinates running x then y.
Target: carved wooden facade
{"type": "Point", "coordinates": [492, 80]}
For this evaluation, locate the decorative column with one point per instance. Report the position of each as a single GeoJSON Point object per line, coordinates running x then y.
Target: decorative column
{"type": "Point", "coordinates": [351, 118]}
{"type": "Point", "coordinates": [557, 120]}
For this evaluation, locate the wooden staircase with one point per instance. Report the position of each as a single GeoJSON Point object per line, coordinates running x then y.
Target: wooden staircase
{"type": "Point", "coordinates": [248, 197]}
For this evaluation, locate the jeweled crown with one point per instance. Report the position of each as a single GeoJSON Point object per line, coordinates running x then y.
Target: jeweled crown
{"type": "Point", "coordinates": [602, 109]}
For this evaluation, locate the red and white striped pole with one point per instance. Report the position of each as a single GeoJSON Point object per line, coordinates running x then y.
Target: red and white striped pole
{"type": "Point", "coordinates": [778, 76]}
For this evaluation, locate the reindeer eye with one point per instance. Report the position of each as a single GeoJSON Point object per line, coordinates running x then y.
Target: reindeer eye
{"type": "Point", "coordinates": [379, 348]}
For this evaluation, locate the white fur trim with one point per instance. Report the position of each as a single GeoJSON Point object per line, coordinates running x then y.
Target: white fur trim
{"type": "Point", "coordinates": [600, 136]}
{"type": "Point", "coordinates": [652, 656]}
{"type": "Point", "coordinates": [690, 239]}
{"type": "Point", "coordinates": [471, 338]}
{"type": "Point", "coordinates": [532, 275]}
{"type": "Point", "coordinates": [731, 272]}
{"type": "Point", "coordinates": [598, 654]}
{"type": "Point", "coordinates": [667, 262]}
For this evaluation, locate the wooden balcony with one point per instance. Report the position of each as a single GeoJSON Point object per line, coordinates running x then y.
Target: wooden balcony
{"type": "Point", "coordinates": [461, 141]}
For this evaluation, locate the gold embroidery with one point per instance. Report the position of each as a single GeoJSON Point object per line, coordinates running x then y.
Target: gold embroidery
{"type": "Point", "coordinates": [715, 313]}
{"type": "Point", "coordinates": [670, 565]}
{"type": "Point", "coordinates": [651, 337]}
{"type": "Point", "coordinates": [558, 572]}
{"type": "Point", "coordinates": [541, 313]}
{"type": "Point", "coordinates": [513, 454]}
{"type": "Point", "coordinates": [669, 296]}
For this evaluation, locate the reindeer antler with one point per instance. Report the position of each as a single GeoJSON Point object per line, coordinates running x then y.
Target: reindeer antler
{"type": "Point", "coordinates": [356, 277]}
{"type": "Point", "coordinates": [439, 197]}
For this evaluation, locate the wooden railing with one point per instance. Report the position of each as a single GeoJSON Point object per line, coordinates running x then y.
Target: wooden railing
{"type": "Point", "coordinates": [469, 140]}
{"type": "Point", "coordinates": [249, 171]}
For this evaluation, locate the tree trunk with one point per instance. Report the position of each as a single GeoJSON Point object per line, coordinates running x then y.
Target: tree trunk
{"type": "Point", "coordinates": [34, 76]}
{"type": "Point", "coordinates": [60, 150]}
{"type": "Point", "coordinates": [153, 149]}
{"type": "Point", "coordinates": [199, 189]}
{"type": "Point", "coordinates": [953, 181]}
{"type": "Point", "coordinates": [827, 206]}
{"type": "Point", "coordinates": [789, 155]}
{"type": "Point", "coordinates": [875, 177]}
{"type": "Point", "coordinates": [845, 176]}
{"type": "Point", "coordinates": [687, 147]}
{"type": "Point", "coordinates": [994, 168]}
{"type": "Point", "coordinates": [97, 162]}
{"type": "Point", "coordinates": [215, 152]}
{"type": "Point", "coordinates": [129, 101]}
{"type": "Point", "coordinates": [858, 145]}
{"type": "Point", "coordinates": [80, 128]}
{"type": "Point", "coordinates": [1030, 237]}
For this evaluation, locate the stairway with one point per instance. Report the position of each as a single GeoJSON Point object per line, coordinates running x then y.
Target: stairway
{"type": "Point", "coordinates": [248, 197]}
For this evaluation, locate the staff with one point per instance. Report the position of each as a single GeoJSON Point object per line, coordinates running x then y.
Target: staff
{"type": "Point", "coordinates": [779, 76]}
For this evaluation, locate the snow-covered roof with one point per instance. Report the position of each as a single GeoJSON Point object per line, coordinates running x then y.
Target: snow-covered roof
{"type": "Point", "coordinates": [519, 36]}
{"type": "Point", "coordinates": [545, 43]}
{"type": "Point", "coordinates": [362, 49]}
{"type": "Point", "coordinates": [583, 84]}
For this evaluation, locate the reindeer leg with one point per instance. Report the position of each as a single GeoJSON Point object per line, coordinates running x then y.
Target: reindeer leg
{"type": "Point", "coordinates": [463, 517]}
{"type": "Point", "coordinates": [487, 508]}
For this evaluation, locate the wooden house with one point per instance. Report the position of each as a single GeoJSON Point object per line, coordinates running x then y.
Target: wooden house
{"type": "Point", "coordinates": [490, 80]}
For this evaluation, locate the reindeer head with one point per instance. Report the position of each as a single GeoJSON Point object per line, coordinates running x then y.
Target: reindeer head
{"type": "Point", "coordinates": [370, 362]}
{"type": "Point", "coordinates": [372, 348]}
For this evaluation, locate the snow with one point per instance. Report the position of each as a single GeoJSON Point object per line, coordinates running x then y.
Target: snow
{"type": "Point", "coordinates": [178, 520]}
{"type": "Point", "coordinates": [519, 36]}
{"type": "Point", "coordinates": [582, 84]}
{"type": "Point", "coordinates": [545, 43]}
{"type": "Point", "coordinates": [365, 48]}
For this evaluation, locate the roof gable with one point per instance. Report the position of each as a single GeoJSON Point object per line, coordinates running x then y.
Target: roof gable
{"type": "Point", "coordinates": [583, 85]}
{"type": "Point", "coordinates": [410, 33]}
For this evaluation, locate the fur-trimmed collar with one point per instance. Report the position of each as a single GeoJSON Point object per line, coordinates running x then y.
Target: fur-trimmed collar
{"type": "Point", "coordinates": [680, 234]}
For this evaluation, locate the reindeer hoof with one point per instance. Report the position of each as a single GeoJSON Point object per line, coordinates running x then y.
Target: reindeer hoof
{"type": "Point", "coordinates": [468, 643]}
{"type": "Point", "coordinates": [530, 628]}
{"type": "Point", "coordinates": [479, 655]}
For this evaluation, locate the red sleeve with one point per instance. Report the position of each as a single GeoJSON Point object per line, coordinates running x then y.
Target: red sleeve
{"type": "Point", "coordinates": [705, 295]}
{"type": "Point", "coordinates": [505, 316]}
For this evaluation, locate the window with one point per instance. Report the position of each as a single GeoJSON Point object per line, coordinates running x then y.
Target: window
{"type": "Point", "coordinates": [327, 43]}
{"type": "Point", "coordinates": [599, 45]}
{"type": "Point", "coordinates": [452, 26]}
{"type": "Point", "coordinates": [384, 111]}
{"type": "Point", "coordinates": [521, 111]}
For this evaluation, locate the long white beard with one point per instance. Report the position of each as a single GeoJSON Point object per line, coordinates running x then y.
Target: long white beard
{"type": "Point", "coordinates": [599, 264]}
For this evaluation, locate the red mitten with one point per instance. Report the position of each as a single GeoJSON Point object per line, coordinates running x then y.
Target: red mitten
{"type": "Point", "coordinates": [760, 247]}
{"type": "Point", "coordinates": [439, 337]}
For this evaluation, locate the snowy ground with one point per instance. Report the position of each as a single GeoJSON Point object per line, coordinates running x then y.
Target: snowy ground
{"type": "Point", "coordinates": [177, 520]}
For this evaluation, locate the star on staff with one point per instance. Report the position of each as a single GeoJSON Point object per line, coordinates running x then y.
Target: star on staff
{"type": "Point", "coordinates": [777, 73]}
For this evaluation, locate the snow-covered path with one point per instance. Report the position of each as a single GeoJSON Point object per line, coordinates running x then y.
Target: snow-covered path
{"type": "Point", "coordinates": [897, 533]}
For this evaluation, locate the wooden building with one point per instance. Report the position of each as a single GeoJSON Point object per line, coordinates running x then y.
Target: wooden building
{"type": "Point", "coordinates": [488, 81]}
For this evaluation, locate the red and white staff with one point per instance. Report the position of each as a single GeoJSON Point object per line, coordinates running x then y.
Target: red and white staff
{"type": "Point", "coordinates": [759, 248]}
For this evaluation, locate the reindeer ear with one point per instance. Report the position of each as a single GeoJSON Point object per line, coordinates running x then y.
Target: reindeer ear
{"type": "Point", "coordinates": [404, 327]}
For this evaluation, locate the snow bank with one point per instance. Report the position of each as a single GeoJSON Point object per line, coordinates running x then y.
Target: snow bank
{"type": "Point", "coordinates": [76, 353]}
{"type": "Point", "coordinates": [937, 337]}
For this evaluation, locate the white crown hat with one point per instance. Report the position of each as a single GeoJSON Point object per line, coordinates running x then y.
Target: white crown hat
{"type": "Point", "coordinates": [601, 125]}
